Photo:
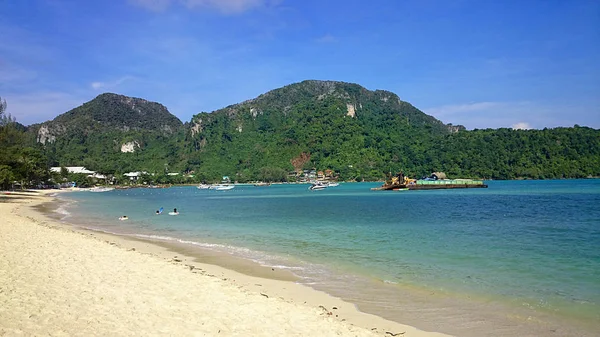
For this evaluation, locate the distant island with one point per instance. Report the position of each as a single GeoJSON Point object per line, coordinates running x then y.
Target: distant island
{"type": "Point", "coordinates": [341, 128]}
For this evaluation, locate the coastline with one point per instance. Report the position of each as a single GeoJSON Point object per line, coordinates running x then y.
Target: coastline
{"type": "Point", "coordinates": [260, 301]}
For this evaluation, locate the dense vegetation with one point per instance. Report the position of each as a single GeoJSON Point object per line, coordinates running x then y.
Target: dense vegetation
{"type": "Point", "coordinates": [323, 125]}
{"type": "Point", "coordinates": [340, 126]}
{"type": "Point", "coordinates": [311, 119]}
{"type": "Point", "coordinates": [511, 154]}
{"type": "Point", "coordinates": [21, 162]}
{"type": "Point", "coordinates": [93, 134]}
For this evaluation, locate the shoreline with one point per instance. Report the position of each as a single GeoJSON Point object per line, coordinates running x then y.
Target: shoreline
{"type": "Point", "coordinates": [425, 308]}
{"type": "Point", "coordinates": [264, 284]}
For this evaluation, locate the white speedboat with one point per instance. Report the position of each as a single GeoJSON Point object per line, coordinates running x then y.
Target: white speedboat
{"type": "Point", "coordinates": [101, 189]}
{"type": "Point", "coordinates": [222, 187]}
{"type": "Point", "coordinates": [332, 184]}
{"type": "Point", "coordinates": [203, 187]}
{"type": "Point", "coordinates": [317, 186]}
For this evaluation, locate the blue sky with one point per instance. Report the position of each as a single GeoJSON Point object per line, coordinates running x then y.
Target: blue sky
{"type": "Point", "coordinates": [478, 63]}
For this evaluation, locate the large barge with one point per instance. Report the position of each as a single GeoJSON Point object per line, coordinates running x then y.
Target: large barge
{"type": "Point", "coordinates": [437, 181]}
{"type": "Point", "coordinates": [445, 184]}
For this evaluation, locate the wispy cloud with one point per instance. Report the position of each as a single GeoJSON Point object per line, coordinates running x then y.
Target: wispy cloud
{"type": "Point", "coordinates": [226, 6]}
{"type": "Point", "coordinates": [450, 110]}
{"type": "Point", "coordinates": [41, 106]}
{"type": "Point", "coordinates": [15, 74]}
{"type": "Point", "coordinates": [23, 56]}
{"type": "Point", "coordinates": [153, 5]}
{"type": "Point", "coordinates": [111, 84]}
{"type": "Point", "coordinates": [516, 115]}
{"type": "Point", "coordinates": [491, 114]}
{"type": "Point", "coordinates": [521, 126]}
{"type": "Point", "coordinates": [223, 6]}
{"type": "Point", "coordinates": [327, 38]}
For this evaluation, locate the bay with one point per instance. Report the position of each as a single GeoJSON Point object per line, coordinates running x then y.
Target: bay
{"type": "Point", "coordinates": [523, 250]}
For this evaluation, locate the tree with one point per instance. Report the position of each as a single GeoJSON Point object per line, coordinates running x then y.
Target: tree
{"type": "Point", "coordinates": [6, 177]}
{"type": "Point", "coordinates": [64, 172]}
{"type": "Point", "coordinates": [5, 118]}
{"type": "Point", "coordinates": [18, 158]}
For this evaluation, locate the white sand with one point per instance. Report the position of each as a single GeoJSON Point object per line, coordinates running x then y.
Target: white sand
{"type": "Point", "coordinates": [55, 280]}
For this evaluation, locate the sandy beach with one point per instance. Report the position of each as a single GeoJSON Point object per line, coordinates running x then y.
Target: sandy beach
{"type": "Point", "coordinates": [59, 280]}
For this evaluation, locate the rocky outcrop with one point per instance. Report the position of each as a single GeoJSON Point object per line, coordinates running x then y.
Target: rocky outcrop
{"type": "Point", "coordinates": [130, 147]}
{"type": "Point", "coordinates": [44, 135]}
{"type": "Point", "coordinates": [351, 110]}
{"type": "Point", "coordinates": [197, 127]}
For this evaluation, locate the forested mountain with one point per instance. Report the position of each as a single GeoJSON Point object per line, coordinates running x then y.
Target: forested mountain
{"type": "Point", "coordinates": [323, 125]}
{"type": "Point", "coordinates": [112, 133]}
{"type": "Point", "coordinates": [313, 124]}
{"type": "Point", "coordinates": [362, 134]}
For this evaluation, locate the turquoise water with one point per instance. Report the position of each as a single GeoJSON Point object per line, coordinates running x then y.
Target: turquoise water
{"type": "Point", "coordinates": [531, 244]}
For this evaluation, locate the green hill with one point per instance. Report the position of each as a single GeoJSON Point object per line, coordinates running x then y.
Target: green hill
{"type": "Point", "coordinates": [362, 134]}
{"type": "Point", "coordinates": [112, 133]}
{"type": "Point", "coordinates": [514, 154]}
{"type": "Point", "coordinates": [313, 124]}
{"type": "Point", "coordinates": [323, 125]}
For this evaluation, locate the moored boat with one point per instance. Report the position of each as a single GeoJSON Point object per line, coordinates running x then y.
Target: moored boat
{"type": "Point", "coordinates": [436, 181]}
{"type": "Point", "coordinates": [446, 184]}
{"type": "Point", "coordinates": [394, 183]}
{"type": "Point", "coordinates": [101, 189]}
{"type": "Point", "coordinates": [222, 187]}
{"type": "Point", "coordinates": [317, 185]}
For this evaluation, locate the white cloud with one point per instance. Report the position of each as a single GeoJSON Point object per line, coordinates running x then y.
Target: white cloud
{"type": "Point", "coordinates": [153, 5]}
{"type": "Point", "coordinates": [15, 74]}
{"type": "Point", "coordinates": [37, 107]}
{"type": "Point", "coordinates": [223, 6]}
{"type": "Point", "coordinates": [538, 115]}
{"type": "Point", "coordinates": [521, 126]}
{"type": "Point", "coordinates": [484, 115]}
{"type": "Point", "coordinates": [449, 110]}
{"type": "Point", "coordinates": [110, 85]}
{"type": "Point", "coordinates": [327, 38]}
{"type": "Point", "coordinates": [23, 56]}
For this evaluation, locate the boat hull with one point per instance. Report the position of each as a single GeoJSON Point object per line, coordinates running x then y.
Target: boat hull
{"type": "Point", "coordinates": [389, 187]}
{"type": "Point", "coordinates": [224, 188]}
{"type": "Point", "coordinates": [444, 186]}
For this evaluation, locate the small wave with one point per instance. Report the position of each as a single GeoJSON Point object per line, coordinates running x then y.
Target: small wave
{"type": "Point", "coordinates": [278, 266]}
{"type": "Point", "coordinates": [389, 282]}
{"type": "Point", "coordinates": [159, 237]}
{"type": "Point", "coordinates": [170, 238]}
{"type": "Point", "coordinates": [261, 258]}
{"type": "Point", "coordinates": [63, 212]}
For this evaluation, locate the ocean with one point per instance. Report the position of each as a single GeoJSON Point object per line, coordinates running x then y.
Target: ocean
{"type": "Point", "coordinates": [518, 258]}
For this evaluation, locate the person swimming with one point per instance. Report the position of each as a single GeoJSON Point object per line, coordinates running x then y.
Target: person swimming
{"type": "Point", "coordinates": [124, 217]}
{"type": "Point", "coordinates": [159, 211]}
{"type": "Point", "coordinates": [174, 212]}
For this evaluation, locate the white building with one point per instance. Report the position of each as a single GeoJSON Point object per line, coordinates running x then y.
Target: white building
{"type": "Point", "coordinates": [73, 169]}
{"type": "Point", "coordinates": [134, 175]}
{"type": "Point", "coordinates": [79, 170]}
